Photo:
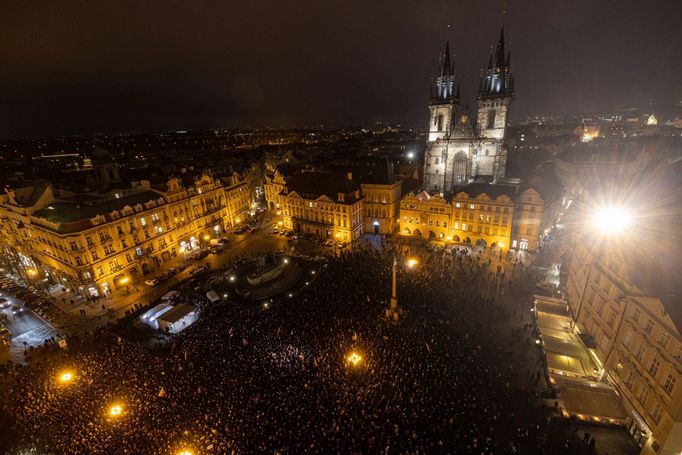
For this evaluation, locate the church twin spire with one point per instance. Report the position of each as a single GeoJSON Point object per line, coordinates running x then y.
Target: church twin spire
{"type": "Point", "coordinates": [497, 81]}
{"type": "Point", "coordinates": [443, 88]}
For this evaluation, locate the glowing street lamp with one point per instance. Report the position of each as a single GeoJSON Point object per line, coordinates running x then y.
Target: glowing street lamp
{"type": "Point", "coordinates": [412, 262]}
{"type": "Point", "coordinates": [612, 220]}
{"type": "Point", "coordinates": [116, 410]}
{"type": "Point", "coordinates": [354, 358]}
{"type": "Point", "coordinates": [185, 452]}
{"type": "Point", "coordinates": [124, 280]}
{"type": "Point", "coordinates": [65, 377]}
{"type": "Point", "coordinates": [32, 272]}
{"type": "Point", "coordinates": [206, 237]}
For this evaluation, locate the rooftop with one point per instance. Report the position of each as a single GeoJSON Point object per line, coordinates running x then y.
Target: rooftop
{"type": "Point", "coordinates": [73, 217]}
{"type": "Point", "coordinates": [315, 184]}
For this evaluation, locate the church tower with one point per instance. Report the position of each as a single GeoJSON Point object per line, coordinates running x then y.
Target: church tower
{"type": "Point", "coordinates": [495, 93]}
{"type": "Point", "coordinates": [444, 100]}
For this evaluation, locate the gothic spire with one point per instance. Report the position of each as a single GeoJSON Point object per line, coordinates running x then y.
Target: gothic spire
{"type": "Point", "coordinates": [499, 55]}
{"type": "Point", "coordinates": [447, 68]}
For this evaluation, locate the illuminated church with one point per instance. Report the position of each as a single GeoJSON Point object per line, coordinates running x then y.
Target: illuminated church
{"type": "Point", "coordinates": [461, 148]}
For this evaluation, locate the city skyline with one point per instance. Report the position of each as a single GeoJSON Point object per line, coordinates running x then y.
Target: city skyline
{"type": "Point", "coordinates": [83, 69]}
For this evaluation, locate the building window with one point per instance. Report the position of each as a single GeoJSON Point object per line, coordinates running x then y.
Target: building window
{"type": "Point", "coordinates": [657, 413]}
{"type": "Point", "coordinates": [630, 380]}
{"type": "Point", "coordinates": [143, 222]}
{"type": "Point", "coordinates": [491, 119]}
{"type": "Point", "coordinates": [653, 368]}
{"type": "Point", "coordinates": [457, 205]}
{"type": "Point", "coordinates": [129, 258]}
{"type": "Point", "coordinates": [664, 340]}
{"type": "Point", "coordinates": [612, 319]}
{"type": "Point", "coordinates": [643, 395]}
{"type": "Point", "coordinates": [636, 314]}
{"type": "Point", "coordinates": [649, 326]}
{"type": "Point", "coordinates": [669, 384]}
{"type": "Point", "coordinates": [472, 207]}
{"type": "Point", "coordinates": [640, 353]}
{"type": "Point", "coordinates": [627, 339]}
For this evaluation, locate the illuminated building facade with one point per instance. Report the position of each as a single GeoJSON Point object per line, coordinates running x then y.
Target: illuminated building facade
{"type": "Point", "coordinates": [630, 309]}
{"type": "Point", "coordinates": [96, 245]}
{"type": "Point", "coordinates": [326, 204]}
{"type": "Point", "coordinates": [501, 216]}
{"type": "Point", "coordinates": [460, 148]}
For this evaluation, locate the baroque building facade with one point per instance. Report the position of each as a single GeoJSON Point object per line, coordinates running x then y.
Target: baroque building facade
{"type": "Point", "coordinates": [461, 148]}
{"type": "Point", "coordinates": [335, 205]}
{"type": "Point", "coordinates": [497, 216]}
{"type": "Point", "coordinates": [98, 245]}
{"type": "Point", "coordinates": [630, 307]}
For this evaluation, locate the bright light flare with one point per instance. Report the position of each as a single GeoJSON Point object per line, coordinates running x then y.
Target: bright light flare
{"type": "Point", "coordinates": [116, 410]}
{"type": "Point", "coordinates": [354, 358]}
{"type": "Point", "coordinates": [185, 452]}
{"type": "Point", "coordinates": [612, 220]}
{"type": "Point", "coordinates": [65, 377]}
{"type": "Point", "coordinates": [412, 263]}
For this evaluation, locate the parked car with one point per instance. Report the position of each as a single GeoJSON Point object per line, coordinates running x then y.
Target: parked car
{"type": "Point", "coordinates": [17, 310]}
{"type": "Point", "coordinates": [153, 282]}
{"type": "Point", "coordinates": [4, 303]}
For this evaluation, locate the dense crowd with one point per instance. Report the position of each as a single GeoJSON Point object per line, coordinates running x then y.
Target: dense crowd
{"type": "Point", "coordinates": [459, 375]}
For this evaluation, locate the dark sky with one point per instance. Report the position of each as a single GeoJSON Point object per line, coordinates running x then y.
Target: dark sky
{"type": "Point", "coordinates": [83, 66]}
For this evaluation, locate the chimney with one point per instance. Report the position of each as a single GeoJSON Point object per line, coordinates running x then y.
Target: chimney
{"type": "Point", "coordinates": [349, 175]}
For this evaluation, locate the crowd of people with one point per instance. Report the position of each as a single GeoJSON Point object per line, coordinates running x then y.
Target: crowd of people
{"type": "Point", "coordinates": [460, 373]}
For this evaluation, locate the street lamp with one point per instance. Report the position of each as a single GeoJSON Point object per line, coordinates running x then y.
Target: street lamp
{"type": "Point", "coordinates": [354, 359]}
{"type": "Point", "coordinates": [412, 262]}
{"type": "Point", "coordinates": [116, 410]}
{"type": "Point", "coordinates": [185, 452]}
{"type": "Point", "coordinates": [65, 377]}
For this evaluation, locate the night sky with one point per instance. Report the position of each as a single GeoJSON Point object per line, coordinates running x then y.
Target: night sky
{"type": "Point", "coordinates": [86, 66]}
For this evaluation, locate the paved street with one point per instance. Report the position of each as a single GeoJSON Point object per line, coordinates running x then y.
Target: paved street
{"type": "Point", "coordinates": [33, 330]}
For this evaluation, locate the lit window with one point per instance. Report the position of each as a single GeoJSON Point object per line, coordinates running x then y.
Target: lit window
{"type": "Point", "coordinates": [472, 207]}
{"type": "Point", "coordinates": [143, 222]}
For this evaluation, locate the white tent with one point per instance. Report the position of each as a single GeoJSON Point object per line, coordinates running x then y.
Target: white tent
{"type": "Point", "coordinates": [212, 296]}
{"type": "Point", "coordinates": [179, 318]}
{"type": "Point", "coordinates": [150, 316]}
